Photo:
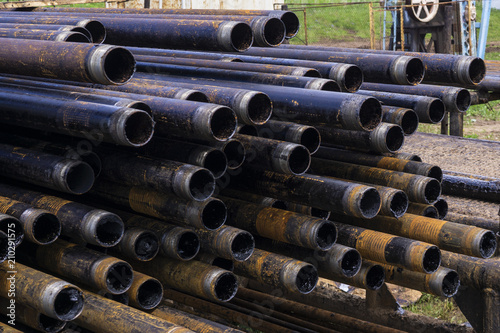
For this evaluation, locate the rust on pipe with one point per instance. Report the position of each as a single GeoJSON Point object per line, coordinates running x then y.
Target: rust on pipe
{"type": "Point", "coordinates": [39, 34]}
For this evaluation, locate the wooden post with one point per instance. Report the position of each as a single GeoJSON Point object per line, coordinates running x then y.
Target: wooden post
{"type": "Point", "coordinates": [401, 25]}
{"type": "Point", "coordinates": [372, 27]}
{"type": "Point", "coordinates": [305, 25]}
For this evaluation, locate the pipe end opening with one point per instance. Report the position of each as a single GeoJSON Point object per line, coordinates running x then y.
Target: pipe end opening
{"type": "Point", "coordinates": [399, 204]}
{"type": "Point", "coordinates": [68, 304]}
{"type": "Point", "coordinates": [119, 278]}
{"type": "Point", "coordinates": [488, 244]}
{"type": "Point", "coordinates": [214, 214]}
{"type": "Point", "coordinates": [150, 294]}
{"type": "Point", "coordinates": [226, 287]}
{"type": "Point", "coordinates": [242, 246]}
{"type": "Point", "coordinates": [326, 236]}
{"type": "Point", "coordinates": [188, 245]}
{"type": "Point", "coordinates": [351, 263]}
{"type": "Point", "coordinates": [306, 279]}
{"type": "Point", "coordinates": [46, 228]}
{"type": "Point", "coordinates": [375, 277]}
{"type": "Point", "coordinates": [201, 185]}
{"type": "Point", "coordinates": [431, 259]}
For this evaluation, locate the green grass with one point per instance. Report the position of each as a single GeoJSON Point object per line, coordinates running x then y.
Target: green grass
{"type": "Point", "coordinates": [436, 307]}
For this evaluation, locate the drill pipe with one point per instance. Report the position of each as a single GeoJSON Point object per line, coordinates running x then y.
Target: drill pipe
{"type": "Point", "coordinates": [397, 69]}
{"type": "Point", "coordinates": [394, 202]}
{"type": "Point", "coordinates": [175, 242]}
{"type": "Point", "coordinates": [94, 269]}
{"type": "Point", "coordinates": [114, 124]}
{"type": "Point", "coordinates": [480, 96]}
{"type": "Point", "coordinates": [407, 119]}
{"type": "Point", "coordinates": [105, 64]}
{"type": "Point", "coordinates": [274, 155]}
{"type": "Point", "coordinates": [315, 191]}
{"type": "Point", "coordinates": [281, 225]}
{"type": "Point", "coordinates": [385, 138]}
{"type": "Point", "coordinates": [471, 186]}
{"type": "Point", "coordinates": [215, 261]}
{"type": "Point", "coordinates": [39, 34]}
{"type": "Point", "coordinates": [418, 188]}
{"type": "Point", "coordinates": [422, 210]}
{"type": "Point", "coordinates": [351, 111]}
{"type": "Point", "coordinates": [348, 76]}
{"type": "Point", "coordinates": [279, 271]}
{"type": "Point", "coordinates": [146, 292]}
{"type": "Point", "coordinates": [441, 206]}
{"type": "Point", "coordinates": [46, 170]}
{"type": "Point", "coordinates": [385, 248]}
{"type": "Point", "coordinates": [70, 151]}
{"type": "Point", "coordinates": [304, 135]}
{"type": "Point", "coordinates": [30, 317]}
{"type": "Point", "coordinates": [103, 315]}
{"type": "Point", "coordinates": [490, 224]}
{"type": "Point", "coordinates": [138, 244]}
{"type": "Point", "coordinates": [449, 236]}
{"type": "Point", "coordinates": [439, 68]}
{"type": "Point", "coordinates": [38, 225]}
{"type": "Point", "coordinates": [382, 162]}
{"type": "Point", "coordinates": [406, 156]}
{"type": "Point", "coordinates": [227, 65]}
{"type": "Point", "coordinates": [58, 27]}
{"type": "Point", "coordinates": [443, 283]}
{"type": "Point", "coordinates": [227, 242]}
{"type": "Point", "coordinates": [289, 18]}
{"type": "Point", "coordinates": [209, 214]}
{"type": "Point", "coordinates": [454, 99]}
{"type": "Point", "coordinates": [78, 221]}
{"type": "Point", "coordinates": [429, 109]}
{"type": "Point", "coordinates": [195, 323]}
{"type": "Point", "coordinates": [473, 272]}
{"type": "Point", "coordinates": [49, 295]}
{"type": "Point", "coordinates": [255, 198]}
{"type": "Point", "coordinates": [302, 209]}
{"type": "Point", "coordinates": [371, 276]}
{"type": "Point", "coordinates": [120, 298]}
{"type": "Point", "coordinates": [233, 149]}
{"type": "Point", "coordinates": [152, 70]}
{"type": "Point", "coordinates": [193, 277]}
{"type": "Point", "coordinates": [13, 228]}
{"type": "Point", "coordinates": [176, 178]}
{"type": "Point", "coordinates": [8, 329]}
{"type": "Point", "coordinates": [95, 28]}
{"type": "Point", "coordinates": [210, 158]}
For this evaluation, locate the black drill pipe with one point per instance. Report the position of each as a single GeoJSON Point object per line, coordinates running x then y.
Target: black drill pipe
{"type": "Point", "coordinates": [184, 180]}
{"type": "Point", "coordinates": [274, 155]}
{"type": "Point", "coordinates": [210, 158]}
{"type": "Point", "coordinates": [490, 83]}
{"type": "Point", "coordinates": [84, 223]}
{"type": "Point", "coordinates": [490, 224]}
{"type": "Point", "coordinates": [440, 68]}
{"type": "Point", "coordinates": [441, 206]}
{"type": "Point", "coordinates": [302, 209]}
{"type": "Point", "coordinates": [285, 226]}
{"type": "Point", "coordinates": [279, 271]}
{"type": "Point", "coordinates": [471, 186]}
{"type": "Point", "coordinates": [232, 148]}
{"type": "Point", "coordinates": [227, 242]}
{"type": "Point", "coordinates": [13, 228]}
{"type": "Point", "coordinates": [422, 209]}
{"type": "Point", "coordinates": [385, 138]}
{"type": "Point", "coordinates": [94, 269]}
{"type": "Point", "coordinates": [394, 202]}
{"type": "Point", "coordinates": [454, 99]}
{"type": "Point", "coordinates": [321, 192]}
{"type": "Point", "coordinates": [444, 282]}
{"type": "Point", "coordinates": [46, 170]}
{"type": "Point", "coordinates": [289, 18]}
{"type": "Point", "coordinates": [255, 198]}
{"type": "Point", "coordinates": [406, 156]}
{"type": "Point", "coordinates": [429, 109]}
{"type": "Point", "coordinates": [449, 236]}
{"type": "Point", "coordinates": [38, 225]}
{"type": "Point", "coordinates": [95, 28]}
{"type": "Point", "coordinates": [323, 107]}
{"type": "Point", "coordinates": [152, 70]}
{"type": "Point", "coordinates": [348, 76]}
{"type": "Point", "coordinates": [387, 68]}
{"type": "Point", "coordinates": [480, 96]}
{"type": "Point", "coordinates": [252, 107]}
{"type": "Point", "coordinates": [215, 261]}
{"type": "Point", "coordinates": [173, 116]}
{"type": "Point", "coordinates": [383, 162]}
{"type": "Point", "coordinates": [6, 244]}
{"type": "Point", "coordinates": [58, 27]}
{"type": "Point", "coordinates": [49, 295]}
{"type": "Point", "coordinates": [105, 64]}
{"type": "Point", "coordinates": [238, 66]}
{"type": "Point", "coordinates": [106, 316]}
{"type": "Point", "coordinates": [418, 188]}
{"type": "Point", "coordinates": [120, 298]}
{"type": "Point", "coordinates": [9, 329]}
{"type": "Point", "coordinates": [193, 277]}
{"type": "Point", "coordinates": [474, 272]}
{"type": "Point", "coordinates": [68, 150]}
{"type": "Point", "coordinates": [114, 124]}
{"type": "Point", "coordinates": [307, 136]}
{"type": "Point", "coordinates": [407, 119]}
{"type": "Point", "coordinates": [209, 214]}
{"type": "Point", "coordinates": [146, 292]}
{"type": "Point", "coordinates": [39, 34]}
{"type": "Point", "coordinates": [30, 317]}
{"type": "Point", "coordinates": [371, 276]}
{"type": "Point", "coordinates": [137, 243]}
{"type": "Point", "coordinates": [385, 248]}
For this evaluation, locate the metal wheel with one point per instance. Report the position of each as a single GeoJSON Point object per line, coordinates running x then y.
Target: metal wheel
{"type": "Point", "coordinates": [424, 10]}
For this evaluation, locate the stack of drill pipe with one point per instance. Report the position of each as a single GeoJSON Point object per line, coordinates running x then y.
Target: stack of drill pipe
{"type": "Point", "coordinates": [56, 27]}
{"type": "Point", "coordinates": [471, 186]}
{"type": "Point", "coordinates": [40, 34]}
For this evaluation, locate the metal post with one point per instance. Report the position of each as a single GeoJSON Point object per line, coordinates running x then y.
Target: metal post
{"type": "Point", "coordinates": [483, 31]}
{"type": "Point", "coordinates": [305, 25]}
